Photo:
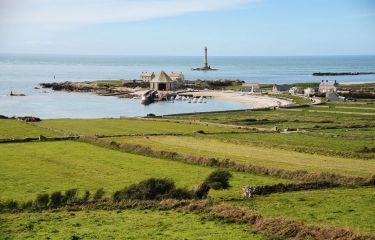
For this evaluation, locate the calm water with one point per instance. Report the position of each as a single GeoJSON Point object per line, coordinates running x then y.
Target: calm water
{"type": "Point", "coordinates": [21, 73]}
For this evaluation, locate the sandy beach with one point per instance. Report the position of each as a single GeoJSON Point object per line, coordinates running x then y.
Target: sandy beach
{"type": "Point", "coordinates": [252, 101]}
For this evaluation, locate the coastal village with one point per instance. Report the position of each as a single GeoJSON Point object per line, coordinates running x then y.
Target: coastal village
{"type": "Point", "coordinates": [173, 86]}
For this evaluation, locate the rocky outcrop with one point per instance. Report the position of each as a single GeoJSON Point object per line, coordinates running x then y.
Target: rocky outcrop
{"type": "Point", "coordinates": [341, 73]}
{"type": "Point", "coordinates": [29, 119]}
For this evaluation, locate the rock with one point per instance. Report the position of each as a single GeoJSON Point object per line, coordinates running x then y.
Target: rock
{"type": "Point", "coordinates": [29, 119]}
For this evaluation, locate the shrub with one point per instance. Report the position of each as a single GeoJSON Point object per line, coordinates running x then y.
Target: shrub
{"type": "Point", "coordinates": [11, 204]}
{"type": "Point", "coordinates": [27, 205]}
{"type": "Point", "coordinates": [98, 195]}
{"type": "Point", "coordinates": [86, 196]}
{"type": "Point", "coordinates": [41, 200]}
{"type": "Point", "coordinates": [56, 199]}
{"type": "Point", "coordinates": [70, 196]}
{"type": "Point", "coordinates": [201, 191]}
{"type": "Point", "coordinates": [149, 189]}
{"type": "Point", "coordinates": [219, 179]}
{"type": "Point", "coordinates": [180, 193]}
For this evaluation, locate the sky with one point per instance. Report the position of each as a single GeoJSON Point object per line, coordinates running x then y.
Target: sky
{"type": "Point", "coordinates": [184, 27]}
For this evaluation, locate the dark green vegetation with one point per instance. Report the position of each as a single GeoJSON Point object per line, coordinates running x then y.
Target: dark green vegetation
{"type": "Point", "coordinates": [192, 153]}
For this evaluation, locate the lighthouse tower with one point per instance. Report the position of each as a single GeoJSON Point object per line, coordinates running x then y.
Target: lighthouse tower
{"type": "Point", "coordinates": [205, 65]}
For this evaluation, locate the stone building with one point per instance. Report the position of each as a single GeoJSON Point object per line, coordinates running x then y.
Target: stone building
{"type": "Point", "coordinates": [147, 76]}
{"type": "Point", "coordinates": [327, 86]}
{"type": "Point", "coordinates": [177, 76]}
{"type": "Point", "coordinates": [162, 82]}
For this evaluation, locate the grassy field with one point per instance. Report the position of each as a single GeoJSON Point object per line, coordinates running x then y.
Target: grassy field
{"type": "Point", "coordinates": [337, 142]}
{"type": "Point", "coordinates": [284, 118]}
{"type": "Point", "coordinates": [125, 224]}
{"type": "Point", "coordinates": [296, 99]}
{"type": "Point", "coordinates": [247, 153]}
{"type": "Point", "coordinates": [348, 208]}
{"type": "Point", "coordinates": [125, 126]}
{"type": "Point", "coordinates": [11, 128]}
{"type": "Point", "coordinates": [31, 168]}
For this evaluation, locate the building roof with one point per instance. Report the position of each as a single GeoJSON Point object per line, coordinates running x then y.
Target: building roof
{"type": "Point", "coordinates": [162, 77]}
{"type": "Point", "coordinates": [176, 74]}
{"type": "Point", "coordinates": [147, 74]}
{"type": "Point", "coordinates": [282, 88]}
{"type": "Point", "coordinates": [328, 83]}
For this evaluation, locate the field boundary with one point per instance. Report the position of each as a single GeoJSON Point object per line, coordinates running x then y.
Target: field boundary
{"type": "Point", "coordinates": [39, 139]}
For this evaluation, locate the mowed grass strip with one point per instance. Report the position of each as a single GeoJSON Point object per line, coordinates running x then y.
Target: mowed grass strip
{"type": "Point", "coordinates": [124, 224]}
{"type": "Point", "coordinates": [31, 168]}
{"type": "Point", "coordinates": [341, 207]}
{"type": "Point", "coordinates": [12, 128]}
{"type": "Point", "coordinates": [126, 126]}
{"type": "Point", "coordinates": [247, 153]}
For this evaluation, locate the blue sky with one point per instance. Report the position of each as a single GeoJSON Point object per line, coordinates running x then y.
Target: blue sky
{"type": "Point", "coordinates": [184, 27]}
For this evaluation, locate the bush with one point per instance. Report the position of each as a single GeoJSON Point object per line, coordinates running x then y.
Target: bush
{"type": "Point", "coordinates": [41, 200]}
{"type": "Point", "coordinates": [99, 194]}
{"type": "Point", "coordinates": [149, 189]}
{"type": "Point", "coordinates": [180, 193]}
{"type": "Point", "coordinates": [11, 204]}
{"type": "Point", "coordinates": [86, 196]}
{"type": "Point", "coordinates": [201, 191]}
{"type": "Point", "coordinates": [219, 179]}
{"type": "Point", "coordinates": [70, 196]}
{"type": "Point", "coordinates": [56, 199]}
{"type": "Point", "coordinates": [27, 205]}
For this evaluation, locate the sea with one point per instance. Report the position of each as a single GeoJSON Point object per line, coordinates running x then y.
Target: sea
{"type": "Point", "coordinates": [22, 73]}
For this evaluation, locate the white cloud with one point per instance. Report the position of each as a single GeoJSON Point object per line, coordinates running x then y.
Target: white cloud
{"type": "Point", "coordinates": [83, 12]}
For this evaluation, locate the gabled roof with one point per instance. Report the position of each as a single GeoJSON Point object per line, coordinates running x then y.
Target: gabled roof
{"type": "Point", "coordinates": [147, 74]}
{"type": "Point", "coordinates": [176, 74]}
{"type": "Point", "coordinates": [162, 77]}
{"type": "Point", "coordinates": [328, 83]}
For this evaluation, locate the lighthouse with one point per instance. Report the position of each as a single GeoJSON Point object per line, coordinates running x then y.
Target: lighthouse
{"type": "Point", "coordinates": [205, 66]}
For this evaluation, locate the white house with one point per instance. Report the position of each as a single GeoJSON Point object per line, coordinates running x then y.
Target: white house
{"type": "Point", "coordinates": [327, 86]}
{"type": "Point", "coordinates": [162, 82]}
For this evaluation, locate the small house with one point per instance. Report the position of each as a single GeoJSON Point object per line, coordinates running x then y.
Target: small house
{"type": "Point", "coordinates": [284, 88]}
{"type": "Point", "coordinates": [251, 87]}
{"type": "Point", "coordinates": [162, 82]}
{"type": "Point", "coordinates": [177, 76]}
{"type": "Point", "coordinates": [147, 76]}
{"type": "Point", "coordinates": [327, 86]}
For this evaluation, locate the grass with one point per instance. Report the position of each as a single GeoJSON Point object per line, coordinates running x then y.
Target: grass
{"type": "Point", "coordinates": [296, 99]}
{"type": "Point", "coordinates": [125, 126]}
{"type": "Point", "coordinates": [342, 207]}
{"type": "Point", "coordinates": [11, 128]}
{"type": "Point", "coordinates": [338, 142]}
{"type": "Point", "coordinates": [31, 168]}
{"type": "Point", "coordinates": [283, 118]}
{"type": "Point", "coordinates": [248, 153]}
{"type": "Point", "coordinates": [125, 224]}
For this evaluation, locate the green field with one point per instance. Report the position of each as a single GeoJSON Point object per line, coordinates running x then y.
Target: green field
{"type": "Point", "coordinates": [125, 224]}
{"type": "Point", "coordinates": [31, 168]}
{"type": "Point", "coordinates": [11, 128]}
{"type": "Point", "coordinates": [261, 156]}
{"type": "Point", "coordinates": [284, 118]}
{"type": "Point", "coordinates": [348, 208]}
{"type": "Point", "coordinates": [340, 142]}
{"type": "Point", "coordinates": [125, 126]}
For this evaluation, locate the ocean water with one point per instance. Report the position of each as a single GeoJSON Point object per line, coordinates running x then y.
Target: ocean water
{"type": "Point", "coordinates": [21, 73]}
